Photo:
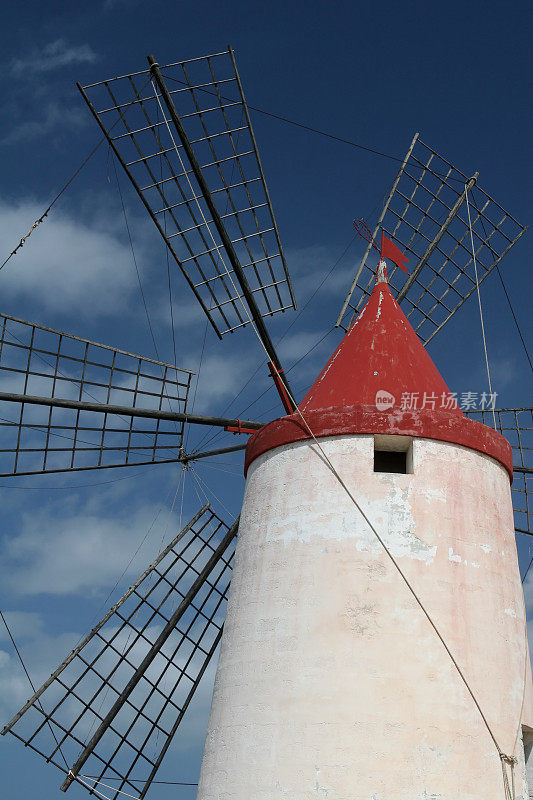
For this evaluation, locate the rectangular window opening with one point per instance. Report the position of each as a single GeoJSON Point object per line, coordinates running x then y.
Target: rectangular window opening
{"type": "Point", "coordinates": [389, 461]}
{"type": "Point", "coordinates": [393, 454]}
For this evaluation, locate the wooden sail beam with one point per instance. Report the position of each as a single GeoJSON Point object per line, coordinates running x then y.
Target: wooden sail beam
{"type": "Point", "coordinates": [282, 384]}
{"type": "Point", "coordinates": [128, 411]}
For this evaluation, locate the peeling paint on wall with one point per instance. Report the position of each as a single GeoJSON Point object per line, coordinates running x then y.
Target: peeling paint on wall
{"type": "Point", "coordinates": [331, 683]}
{"type": "Point", "coordinates": [378, 315]}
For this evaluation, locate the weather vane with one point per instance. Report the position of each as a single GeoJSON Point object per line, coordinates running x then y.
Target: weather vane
{"type": "Point", "coordinates": [387, 250]}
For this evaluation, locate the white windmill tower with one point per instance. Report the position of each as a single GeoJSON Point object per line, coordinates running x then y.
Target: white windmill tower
{"type": "Point", "coordinates": [375, 631]}
{"type": "Point", "coordinates": [375, 642]}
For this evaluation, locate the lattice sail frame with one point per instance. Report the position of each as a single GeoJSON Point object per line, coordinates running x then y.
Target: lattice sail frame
{"type": "Point", "coordinates": [41, 361]}
{"type": "Point", "coordinates": [516, 424]}
{"type": "Point", "coordinates": [112, 707]}
{"type": "Point", "coordinates": [425, 214]}
{"type": "Point", "coordinates": [208, 97]}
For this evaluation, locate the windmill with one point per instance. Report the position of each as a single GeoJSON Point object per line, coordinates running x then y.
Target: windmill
{"type": "Point", "coordinates": [183, 136]}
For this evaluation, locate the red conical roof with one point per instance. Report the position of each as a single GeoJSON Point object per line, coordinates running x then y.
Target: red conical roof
{"type": "Point", "coordinates": [380, 356]}
{"type": "Point", "coordinates": [380, 380]}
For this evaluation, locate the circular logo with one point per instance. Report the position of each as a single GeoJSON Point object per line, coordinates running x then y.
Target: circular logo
{"type": "Point", "coordinates": [384, 400]}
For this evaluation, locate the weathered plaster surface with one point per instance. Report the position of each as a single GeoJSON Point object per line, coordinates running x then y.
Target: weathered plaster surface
{"type": "Point", "coordinates": [331, 682]}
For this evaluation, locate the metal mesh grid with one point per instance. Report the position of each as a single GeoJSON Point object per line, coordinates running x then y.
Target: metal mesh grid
{"type": "Point", "coordinates": [426, 216]}
{"type": "Point", "coordinates": [207, 94]}
{"type": "Point", "coordinates": [112, 707]}
{"type": "Point", "coordinates": [516, 424]}
{"type": "Point", "coordinates": [39, 361]}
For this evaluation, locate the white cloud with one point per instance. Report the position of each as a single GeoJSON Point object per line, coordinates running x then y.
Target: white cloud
{"type": "Point", "coordinates": [67, 264]}
{"type": "Point", "coordinates": [76, 551]}
{"type": "Point", "coordinates": [187, 312]}
{"type": "Point", "coordinates": [44, 108]}
{"type": "Point", "coordinates": [309, 265]}
{"type": "Point", "coordinates": [52, 56]}
{"type": "Point", "coordinates": [42, 654]}
{"type": "Point", "coordinates": [222, 376]}
{"type": "Point", "coordinates": [27, 624]}
{"type": "Point", "coordinates": [504, 373]}
{"type": "Point", "coordinates": [297, 345]}
{"type": "Point", "coordinates": [52, 115]}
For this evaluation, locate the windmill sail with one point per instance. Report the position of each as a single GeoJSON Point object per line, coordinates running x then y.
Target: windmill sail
{"type": "Point", "coordinates": [425, 215]}
{"type": "Point", "coordinates": [516, 424]}
{"type": "Point", "coordinates": [49, 364]}
{"type": "Point", "coordinates": [190, 152]}
{"type": "Point", "coordinates": [110, 710]}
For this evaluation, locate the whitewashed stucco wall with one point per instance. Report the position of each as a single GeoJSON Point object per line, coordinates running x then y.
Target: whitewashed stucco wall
{"type": "Point", "coordinates": [331, 683]}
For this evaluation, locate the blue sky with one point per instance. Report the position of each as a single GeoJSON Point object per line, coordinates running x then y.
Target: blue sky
{"type": "Point", "coordinates": [368, 72]}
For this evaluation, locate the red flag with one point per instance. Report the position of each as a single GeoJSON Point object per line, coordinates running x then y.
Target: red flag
{"type": "Point", "coordinates": [390, 251]}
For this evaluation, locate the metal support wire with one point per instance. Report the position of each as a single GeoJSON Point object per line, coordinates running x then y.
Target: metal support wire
{"type": "Point", "coordinates": [134, 675]}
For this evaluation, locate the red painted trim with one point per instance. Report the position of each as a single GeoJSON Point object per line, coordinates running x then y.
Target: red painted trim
{"type": "Point", "coordinates": [239, 429]}
{"type": "Point", "coordinates": [422, 424]}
